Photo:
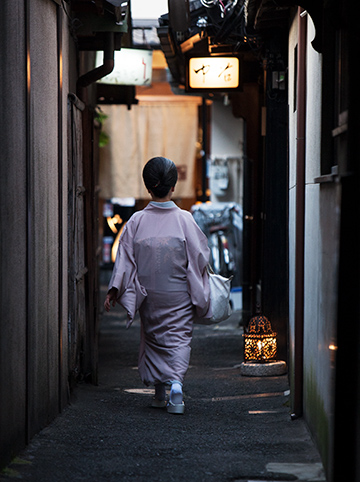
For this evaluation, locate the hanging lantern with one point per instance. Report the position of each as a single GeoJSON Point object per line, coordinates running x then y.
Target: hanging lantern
{"type": "Point", "coordinates": [260, 340]}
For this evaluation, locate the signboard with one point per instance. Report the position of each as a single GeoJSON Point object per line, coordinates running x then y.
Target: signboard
{"type": "Point", "coordinates": [132, 67]}
{"type": "Point", "coordinates": [207, 73]}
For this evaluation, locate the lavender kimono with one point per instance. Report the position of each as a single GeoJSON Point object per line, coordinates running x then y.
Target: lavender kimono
{"type": "Point", "coordinates": [160, 271]}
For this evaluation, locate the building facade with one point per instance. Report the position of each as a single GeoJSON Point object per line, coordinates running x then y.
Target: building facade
{"type": "Point", "coordinates": [323, 212]}
{"type": "Point", "coordinates": [48, 220]}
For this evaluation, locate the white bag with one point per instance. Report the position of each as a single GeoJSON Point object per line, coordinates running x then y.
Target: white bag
{"type": "Point", "coordinates": [219, 298]}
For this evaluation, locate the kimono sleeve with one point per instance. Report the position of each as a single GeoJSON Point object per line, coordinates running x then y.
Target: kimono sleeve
{"type": "Point", "coordinates": [198, 253]}
{"type": "Point", "coordinates": [124, 276]}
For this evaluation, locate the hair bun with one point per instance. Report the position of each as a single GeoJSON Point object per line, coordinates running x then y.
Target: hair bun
{"type": "Point", "coordinates": [160, 175]}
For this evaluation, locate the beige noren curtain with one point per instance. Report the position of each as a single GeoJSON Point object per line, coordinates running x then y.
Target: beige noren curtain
{"type": "Point", "coordinates": [151, 128]}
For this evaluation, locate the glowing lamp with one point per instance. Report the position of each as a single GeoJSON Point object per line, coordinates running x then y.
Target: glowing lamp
{"type": "Point", "coordinates": [132, 67]}
{"type": "Point", "coordinates": [213, 73]}
{"type": "Point", "coordinates": [260, 340]}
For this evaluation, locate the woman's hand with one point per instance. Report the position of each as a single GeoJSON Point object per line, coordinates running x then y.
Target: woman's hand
{"type": "Point", "coordinates": [110, 299]}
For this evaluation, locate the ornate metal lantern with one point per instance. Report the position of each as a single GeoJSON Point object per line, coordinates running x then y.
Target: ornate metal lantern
{"type": "Point", "coordinates": [260, 340]}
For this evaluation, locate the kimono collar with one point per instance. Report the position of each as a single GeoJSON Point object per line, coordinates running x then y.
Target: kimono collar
{"type": "Point", "coordinates": [165, 205]}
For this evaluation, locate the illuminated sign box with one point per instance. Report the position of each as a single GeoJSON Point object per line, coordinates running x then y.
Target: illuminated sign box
{"type": "Point", "coordinates": [132, 67]}
{"type": "Point", "coordinates": [213, 73]}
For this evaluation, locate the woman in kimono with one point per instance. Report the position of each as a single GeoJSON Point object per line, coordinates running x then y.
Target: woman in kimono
{"type": "Point", "coordinates": [160, 270]}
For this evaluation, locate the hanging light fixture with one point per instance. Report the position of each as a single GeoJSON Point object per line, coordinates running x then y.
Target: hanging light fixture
{"type": "Point", "coordinates": [211, 73]}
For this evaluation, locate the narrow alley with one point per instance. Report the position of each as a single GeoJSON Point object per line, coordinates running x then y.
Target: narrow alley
{"type": "Point", "coordinates": [234, 427]}
{"type": "Point", "coordinates": [256, 103]}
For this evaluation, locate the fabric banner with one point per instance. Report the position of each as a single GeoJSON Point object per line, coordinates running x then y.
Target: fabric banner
{"type": "Point", "coordinates": [167, 128]}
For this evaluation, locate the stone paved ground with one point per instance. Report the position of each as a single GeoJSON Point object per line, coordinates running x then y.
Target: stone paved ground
{"type": "Point", "coordinates": [235, 428]}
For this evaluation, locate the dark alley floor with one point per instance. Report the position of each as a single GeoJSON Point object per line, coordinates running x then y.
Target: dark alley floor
{"type": "Point", "coordinates": [234, 428]}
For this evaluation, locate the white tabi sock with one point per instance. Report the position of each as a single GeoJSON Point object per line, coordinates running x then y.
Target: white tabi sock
{"type": "Point", "coordinates": [176, 394]}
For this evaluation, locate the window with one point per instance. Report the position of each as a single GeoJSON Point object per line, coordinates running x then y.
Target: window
{"type": "Point", "coordinates": [334, 99]}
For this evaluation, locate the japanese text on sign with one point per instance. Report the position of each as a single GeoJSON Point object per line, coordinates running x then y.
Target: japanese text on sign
{"type": "Point", "coordinates": [214, 72]}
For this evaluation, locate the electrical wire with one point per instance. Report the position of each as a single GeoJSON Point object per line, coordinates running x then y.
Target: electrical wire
{"type": "Point", "coordinates": [74, 23]}
{"type": "Point", "coordinates": [223, 7]}
{"type": "Point", "coordinates": [209, 3]}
